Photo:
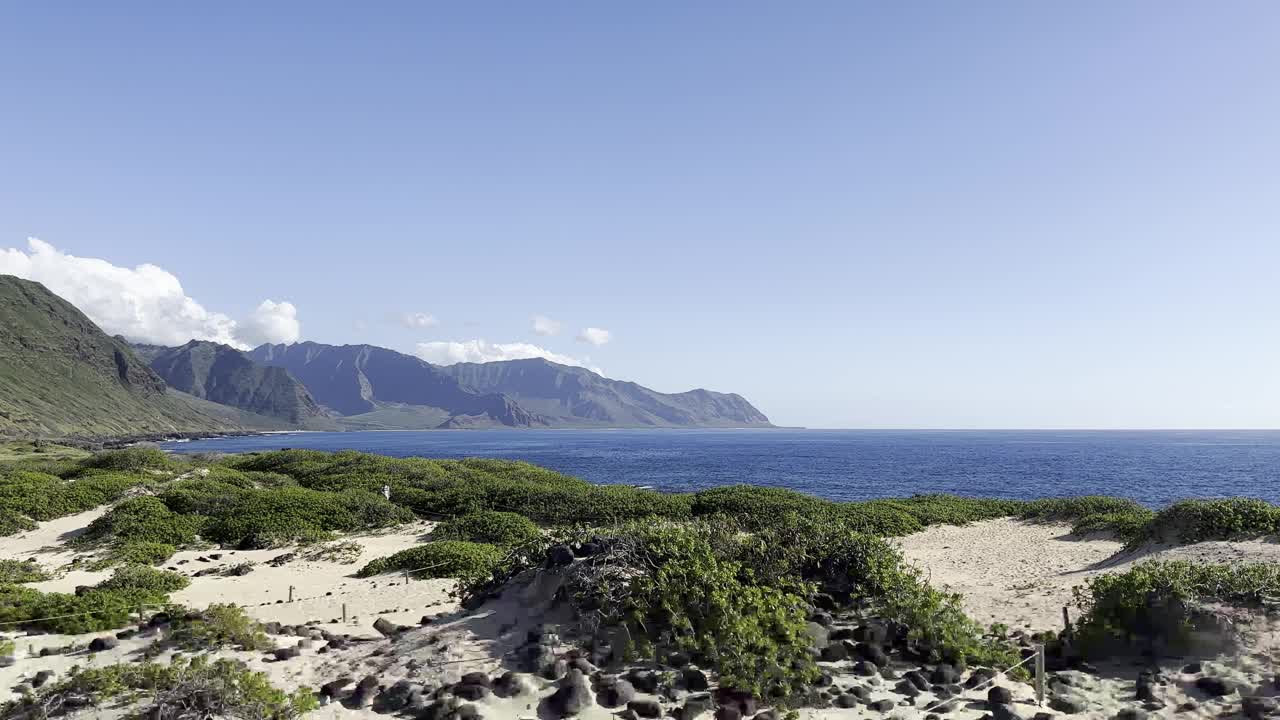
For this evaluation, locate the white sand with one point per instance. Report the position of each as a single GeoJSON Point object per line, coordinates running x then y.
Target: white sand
{"type": "Point", "coordinates": [1022, 574]}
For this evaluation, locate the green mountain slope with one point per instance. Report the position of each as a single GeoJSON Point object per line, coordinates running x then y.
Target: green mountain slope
{"type": "Point", "coordinates": [60, 375]}
{"type": "Point", "coordinates": [567, 395]}
{"type": "Point", "coordinates": [224, 375]}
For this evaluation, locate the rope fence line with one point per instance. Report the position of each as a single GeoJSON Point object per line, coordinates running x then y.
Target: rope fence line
{"type": "Point", "coordinates": [1038, 656]}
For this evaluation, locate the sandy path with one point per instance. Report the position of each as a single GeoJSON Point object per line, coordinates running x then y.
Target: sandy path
{"type": "Point", "coordinates": [1022, 574]}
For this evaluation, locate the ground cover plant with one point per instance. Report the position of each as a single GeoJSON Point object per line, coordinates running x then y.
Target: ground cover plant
{"type": "Point", "coordinates": [440, 559]}
{"type": "Point", "coordinates": [111, 604]}
{"type": "Point", "coordinates": [488, 526]}
{"type": "Point", "coordinates": [1165, 607]}
{"type": "Point", "coordinates": [195, 687]}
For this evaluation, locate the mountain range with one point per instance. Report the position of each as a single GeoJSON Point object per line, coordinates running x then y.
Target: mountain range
{"type": "Point", "coordinates": [60, 375]}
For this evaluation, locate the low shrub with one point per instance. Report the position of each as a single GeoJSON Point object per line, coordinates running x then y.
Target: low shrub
{"type": "Point", "coordinates": [1192, 521]}
{"type": "Point", "coordinates": [202, 496]}
{"type": "Point", "coordinates": [105, 606]}
{"type": "Point", "coordinates": [21, 571]}
{"type": "Point", "coordinates": [1070, 509]}
{"type": "Point", "coordinates": [13, 522]}
{"type": "Point", "coordinates": [1160, 607]}
{"type": "Point", "coordinates": [133, 459]}
{"type": "Point", "coordinates": [489, 526]}
{"type": "Point", "coordinates": [1131, 526]}
{"type": "Point", "coordinates": [271, 518]}
{"type": "Point", "coordinates": [187, 687]}
{"type": "Point", "coordinates": [47, 497]}
{"type": "Point", "coordinates": [441, 559]}
{"type": "Point", "coordinates": [138, 553]}
{"type": "Point", "coordinates": [143, 520]}
{"type": "Point", "coordinates": [218, 626]}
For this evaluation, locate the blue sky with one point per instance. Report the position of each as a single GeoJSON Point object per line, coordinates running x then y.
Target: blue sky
{"type": "Point", "coordinates": [855, 214]}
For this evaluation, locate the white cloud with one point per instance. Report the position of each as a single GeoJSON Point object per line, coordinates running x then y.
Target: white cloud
{"type": "Point", "coordinates": [145, 303]}
{"type": "Point", "coordinates": [543, 325]}
{"type": "Point", "coordinates": [418, 320]}
{"type": "Point", "coordinates": [271, 322]}
{"type": "Point", "coordinates": [481, 351]}
{"type": "Point", "coordinates": [595, 336]}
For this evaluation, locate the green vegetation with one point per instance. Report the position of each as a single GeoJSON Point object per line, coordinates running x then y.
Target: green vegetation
{"type": "Point", "coordinates": [61, 376]}
{"type": "Point", "coordinates": [143, 520]}
{"type": "Point", "coordinates": [21, 571]}
{"type": "Point", "coordinates": [1162, 604]}
{"type": "Point", "coordinates": [219, 688]}
{"type": "Point", "coordinates": [41, 496]}
{"type": "Point", "coordinates": [218, 626]}
{"type": "Point", "coordinates": [344, 552]}
{"type": "Point", "coordinates": [135, 553]}
{"type": "Point", "coordinates": [105, 606]}
{"type": "Point", "coordinates": [26, 450]}
{"type": "Point", "coordinates": [132, 459]}
{"type": "Point", "coordinates": [441, 559]}
{"type": "Point", "coordinates": [489, 526]}
{"type": "Point", "coordinates": [271, 518]}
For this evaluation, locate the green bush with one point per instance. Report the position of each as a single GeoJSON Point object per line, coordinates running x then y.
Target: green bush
{"type": "Point", "coordinates": [1131, 527]}
{"type": "Point", "coordinates": [143, 520]}
{"type": "Point", "coordinates": [46, 497]}
{"type": "Point", "coordinates": [1070, 509]}
{"type": "Point", "coordinates": [13, 522]}
{"type": "Point", "coordinates": [270, 518]}
{"type": "Point", "coordinates": [21, 571]}
{"type": "Point", "coordinates": [489, 526]}
{"type": "Point", "coordinates": [1192, 521]}
{"type": "Point", "coordinates": [139, 578]}
{"type": "Point", "coordinates": [202, 496]}
{"type": "Point", "coordinates": [106, 606]}
{"type": "Point", "coordinates": [1161, 606]}
{"type": "Point", "coordinates": [133, 459]}
{"type": "Point", "coordinates": [441, 559]}
{"type": "Point", "coordinates": [218, 688]}
{"type": "Point", "coordinates": [139, 553]}
{"type": "Point", "coordinates": [219, 626]}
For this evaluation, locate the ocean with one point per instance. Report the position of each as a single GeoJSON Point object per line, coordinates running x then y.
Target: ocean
{"type": "Point", "coordinates": [1152, 467]}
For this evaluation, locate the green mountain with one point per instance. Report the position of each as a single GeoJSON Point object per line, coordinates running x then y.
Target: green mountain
{"type": "Point", "coordinates": [224, 375]}
{"type": "Point", "coordinates": [567, 395]}
{"type": "Point", "coordinates": [377, 388]}
{"type": "Point", "coordinates": [60, 375]}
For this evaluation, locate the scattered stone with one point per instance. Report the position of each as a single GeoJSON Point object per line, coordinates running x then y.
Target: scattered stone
{"type": "Point", "coordinates": [728, 712]}
{"type": "Point", "coordinates": [559, 556]}
{"type": "Point", "coordinates": [883, 706]}
{"type": "Point", "coordinates": [467, 691]}
{"type": "Point", "coordinates": [907, 688]}
{"type": "Point", "coordinates": [695, 705]}
{"type": "Point", "coordinates": [1004, 712]}
{"type": "Point", "coordinates": [866, 669]}
{"type": "Point", "coordinates": [572, 696]}
{"type": "Point", "coordinates": [395, 698]}
{"type": "Point", "coordinates": [1194, 668]}
{"type": "Point", "coordinates": [945, 675]}
{"type": "Point", "coordinates": [766, 715]}
{"type": "Point", "coordinates": [847, 700]}
{"type": "Point", "coordinates": [872, 653]}
{"type": "Point", "coordinates": [333, 688]}
{"type": "Point", "coordinates": [103, 643]}
{"type": "Point", "coordinates": [644, 681]}
{"type": "Point", "coordinates": [1212, 686]}
{"type": "Point", "coordinates": [694, 679]}
{"type": "Point", "coordinates": [835, 652]}
{"type": "Point", "coordinates": [618, 693]}
{"type": "Point", "coordinates": [1255, 707]}
{"type": "Point", "coordinates": [386, 628]}
{"type": "Point", "coordinates": [41, 678]}
{"type": "Point", "coordinates": [646, 708]}
{"type": "Point", "coordinates": [286, 653]}
{"type": "Point", "coordinates": [917, 679]}
{"type": "Point", "coordinates": [998, 695]}
{"type": "Point", "coordinates": [979, 676]}
{"type": "Point", "coordinates": [1068, 704]}
{"type": "Point", "coordinates": [1131, 714]}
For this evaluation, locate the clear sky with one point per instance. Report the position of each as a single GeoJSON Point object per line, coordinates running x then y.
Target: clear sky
{"type": "Point", "coordinates": [896, 214]}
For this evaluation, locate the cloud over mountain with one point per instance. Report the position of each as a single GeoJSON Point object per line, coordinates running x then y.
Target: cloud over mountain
{"type": "Point", "coordinates": [145, 303]}
{"type": "Point", "coordinates": [594, 336]}
{"type": "Point", "coordinates": [543, 325]}
{"type": "Point", "coordinates": [481, 351]}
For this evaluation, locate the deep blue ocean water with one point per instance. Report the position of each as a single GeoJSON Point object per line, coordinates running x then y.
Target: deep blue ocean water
{"type": "Point", "coordinates": [1153, 467]}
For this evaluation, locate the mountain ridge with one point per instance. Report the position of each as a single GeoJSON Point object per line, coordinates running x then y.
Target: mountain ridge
{"type": "Point", "coordinates": [62, 376]}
